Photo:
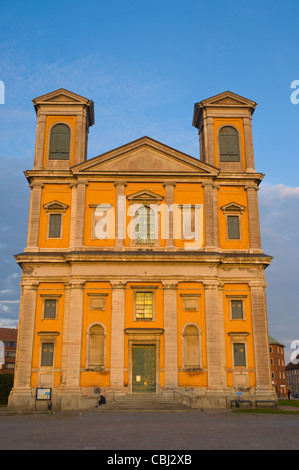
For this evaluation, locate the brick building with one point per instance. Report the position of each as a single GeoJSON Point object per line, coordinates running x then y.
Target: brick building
{"type": "Point", "coordinates": [278, 370]}
{"type": "Point", "coordinates": [9, 337]}
{"type": "Point", "coordinates": [292, 376]}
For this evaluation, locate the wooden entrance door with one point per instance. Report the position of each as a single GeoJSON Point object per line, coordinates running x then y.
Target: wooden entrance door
{"type": "Point", "coordinates": [144, 369]}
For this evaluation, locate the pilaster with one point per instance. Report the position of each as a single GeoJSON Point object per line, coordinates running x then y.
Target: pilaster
{"type": "Point", "coordinates": [34, 216]}
{"type": "Point", "coordinates": [23, 370]}
{"type": "Point", "coordinates": [120, 214]}
{"type": "Point", "coordinates": [215, 370]}
{"type": "Point", "coordinates": [73, 330]}
{"type": "Point", "coordinates": [253, 217]}
{"type": "Point", "coordinates": [169, 217]}
{"type": "Point", "coordinates": [170, 334]}
{"type": "Point", "coordinates": [260, 335]}
{"type": "Point", "coordinates": [117, 335]}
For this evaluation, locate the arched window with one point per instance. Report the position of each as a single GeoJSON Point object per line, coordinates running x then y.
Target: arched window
{"type": "Point", "coordinates": [96, 350]}
{"type": "Point", "coordinates": [144, 226]}
{"type": "Point", "coordinates": [192, 347]}
{"type": "Point", "coordinates": [60, 142]}
{"type": "Point", "coordinates": [229, 144]}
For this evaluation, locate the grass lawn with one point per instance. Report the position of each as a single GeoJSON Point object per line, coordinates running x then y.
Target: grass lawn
{"type": "Point", "coordinates": [274, 411]}
{"type": "Point", "coordinates": [288, 403]}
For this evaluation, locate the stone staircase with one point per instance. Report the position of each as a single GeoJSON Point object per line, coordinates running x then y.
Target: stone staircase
{"type": "Point", "coordinates": [144, 402]}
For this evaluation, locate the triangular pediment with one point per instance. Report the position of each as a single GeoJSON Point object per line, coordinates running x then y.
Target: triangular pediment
{"type": "Point", "coordinates": [233, 207]}
{"type": "Point", "coordinates": [55, 206]}
{"type": "Point", "coordinates": [228, 99]}
{"type": "Point", "coordinates": [60, 96]}
{"type": "Point", "coordinates": [145, 196]}
{"type": "Point", "coordinates": [145, 156]}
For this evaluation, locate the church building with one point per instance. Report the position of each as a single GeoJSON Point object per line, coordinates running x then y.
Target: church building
{"type": "Point", "coordinates": [143, 270]}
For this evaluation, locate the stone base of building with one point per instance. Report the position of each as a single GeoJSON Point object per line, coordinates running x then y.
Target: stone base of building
{"type": "Point", "coordinates": [86, 399]}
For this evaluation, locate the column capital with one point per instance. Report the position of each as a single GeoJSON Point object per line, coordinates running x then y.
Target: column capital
{"type": "Point", "coordinates": [32, 285]}
{"type": "Point", "coordinates": [120, 183]}
{"type": "Point", "coordinates": [251, 185]}
{"type": "Point", "coordinates": [210, 183]}
{"type": "Point", "coordinates": [169, 183]}
{"type": "Point", "coordinates": [77, 284]}
{"type": "Point", "coordinates": [257, 284]}
{"type": "Point", "coordinates": [118, 284]}
{"type": "Point", "coordinates": [212, 284]}
{"type": "Point", "coordinates": [169, 284]}
{"type": "Point", "coordinates": [36, 184]}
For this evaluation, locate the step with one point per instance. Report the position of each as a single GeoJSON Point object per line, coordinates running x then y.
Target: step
{"type": "Point", "coordinates": [144, 402]}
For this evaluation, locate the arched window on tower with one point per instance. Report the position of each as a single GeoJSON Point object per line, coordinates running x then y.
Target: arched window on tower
{"type": "Point", "coordinates": [229, 144]}
{"type": "Point", "coordinates": [60, 142]}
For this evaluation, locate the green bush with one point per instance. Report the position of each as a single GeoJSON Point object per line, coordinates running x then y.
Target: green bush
{"type": "Point", "coordinates": [6, 384]}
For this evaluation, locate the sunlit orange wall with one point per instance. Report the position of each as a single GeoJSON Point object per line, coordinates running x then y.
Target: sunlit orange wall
{"type": "Point", "coordinates": [61, 193]}
{"type": "Point", "coordinates": [233, 326]}
{"type": "Point", "coordinates": [44, 325]}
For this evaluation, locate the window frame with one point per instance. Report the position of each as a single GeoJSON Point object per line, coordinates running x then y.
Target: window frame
{"type": "Point", "coordinates": [239, 143]}
{"type": "Point", "coordinates": [55, 208]}
{"type": "Point", "coordinates": [144, 289]}
{"type": "Point", "coordinates": [238, 298]}
{"type": "Point", "coordinates": [50, 297]}
{"type": "Point", "coordinates": [60, 123]}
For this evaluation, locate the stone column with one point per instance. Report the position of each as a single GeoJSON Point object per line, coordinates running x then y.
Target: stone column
{"type": "Point", "coordinates": [222, 335]}
{"type": "Point", "coordinates": [22, 379]}
{"type": "Point", "coordinates": [260, 335]}
{"type": "Point", "coordinates": [213, 335]}
{"type": "Point", "coordinates": [169, 213]}
{"type": "Point", "coordinates": [250, 167]}
{"type": "Point", "coordinates": [73, 330]}
{"type": "Point", "coordinates": [170, 334]}
{"type": "Point", "coordinates": [117, 335]}
{"type": "Point", "coordinates": [66, 319]}
{"type": "Point", "coordinates": [211, 215]}
{"type": "Point", "coordinates": [73, 222]}
{"type": "Point", "coordinates": [253, 217]}
{"type": "Point", "coordinates": [80, 138]}
{"type": "Point", "coordinates": [34, 216]}
{"type": "Point", "coordinates": [78, 215]}
{"type": "Point", "coordinates": [120, 214]}
{"type": "Point", "coordinates": [209, 147]}
{"type": "Point", "coordinates": [40, 141]}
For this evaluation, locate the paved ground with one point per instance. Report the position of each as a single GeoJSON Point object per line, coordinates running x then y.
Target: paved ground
{"type": "Point", "coordinates": [148, 431]}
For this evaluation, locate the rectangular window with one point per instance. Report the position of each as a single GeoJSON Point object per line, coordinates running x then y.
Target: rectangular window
{"type": "Point", "coordinates": [233, 227]}
{"type": "Point", "coordinates": [55, 226]}
{"type": "Point", "coordinates": [239, 355]}
{"type": "Point", "coordinates": [47, 354]}
{"type": "Point", "coordinates": [144, 306]}
{"type": "Point", "coordinates": [50, 308]}
{"type": "Point", "coordinates": [237, 310]}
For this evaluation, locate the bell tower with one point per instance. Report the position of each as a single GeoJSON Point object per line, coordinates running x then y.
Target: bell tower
{"type": "Point", "coordinates": [63, 121]}
{"type": "Point", "coordinates": [225, 132]}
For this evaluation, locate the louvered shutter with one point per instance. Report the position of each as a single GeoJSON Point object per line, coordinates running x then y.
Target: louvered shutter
{"type": "Point", "coordinates": [50, 308]}
{"type": "Point", "coordinates": [239, 355]}
{"type": "Point", "coordinates": [237, 309]}
{"type": "Point", "coordinates": [47, 354]}
{"type": "Point", "coordinates": [55, 226]}
{"type": "Point", "coordinates": [233, 227]}
{"type": "Point", "coordinates": [229, 145]}
{"type": "Point", "coordinates": [60, 142]}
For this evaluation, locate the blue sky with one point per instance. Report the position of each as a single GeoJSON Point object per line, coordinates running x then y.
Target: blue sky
{"type": "Point", "coordinates": [145, 64]}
